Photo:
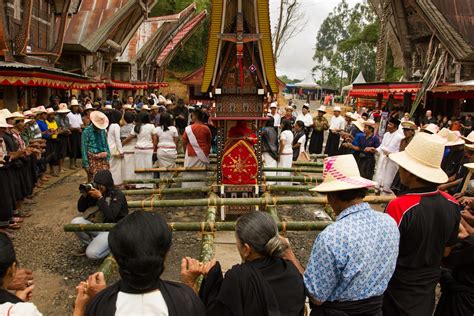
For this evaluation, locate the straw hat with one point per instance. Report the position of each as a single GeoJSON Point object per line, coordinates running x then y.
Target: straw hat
{"type": "Point", "coordinates": [74, 102]}
{"type": "Point", "coordinates": [337, 108]}
{"type": "Point", "coordinates": [452, 138]}
{"type": "Point", "coordinates": [39, 109]}
{"type": "Point", "coordinates": [88, 107]}
{"type": "Point", "coordinates": [49, 111]}
{"type": "Point", "coordinates": [28, 113]}
{"type": "Point", "coordinates": [348, 114]}
{"type": "Point", "coordinates": [18, 115]}
{"type": "Point", "coordinates": [3, 122]}
{"type": "Point", "coordinates": [469, 165]}
{"type": "Point", "coordinates": [145, 107]}
{"type": "Point", "coordinates": [322, 108]}
{"type": "Point", "coordinates": [127, 107]}
{"type": "Point", "coordinates": [155, 107]}
{"type": "Point", "coordinates": [409, 125]}
{"type": "Point", "coordinates": [63, 108]}
{"type": "Point", "coordinates": [341, 173]}
{"type": "Point", "coordinates": [430, 128]}
{"type": "Point", "coordinates": [6, 113]}
{"type": "Point", "coordinates": [99, 119]}
{"type": "Point", "coordinates": [422, 157]}
{"type": "Point", "coordinates": [108, 107]}
{"type": "Point", "coordinates": [469, 138]}
{"type": "Point", "coordinates": [370, 123]}
{"type": "Point", "coordinates": [359, 124]}
{"type": "Point", "coordinates": [273, 105]}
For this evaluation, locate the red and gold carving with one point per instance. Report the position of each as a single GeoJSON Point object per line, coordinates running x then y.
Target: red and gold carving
{"type": "Point", "coordinates": [239, 164]}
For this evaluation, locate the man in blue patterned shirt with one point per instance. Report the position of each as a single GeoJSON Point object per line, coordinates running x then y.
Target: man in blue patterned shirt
{"type": "Point", "coordinates": [354, 258]}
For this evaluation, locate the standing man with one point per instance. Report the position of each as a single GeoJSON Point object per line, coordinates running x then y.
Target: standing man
{"type": "Point", "coordinates": [75, 122]}
{"type": "Point", "coordinates": [307, 119]}
{"type": "Point", "coordinates": [94, 147]}
{"type": "Point", "coordinates": [386, 168]}
{"type": "Point", "coordinates": [354, 258]}
{"type": "Point", "coordinates": [197, 143]}
{"type": "Point", "coordinates": [336, 125]}
{"type": "Point", "coordinates": [365, 146]}
{"type": "Point", "coordinates": [276, 116]}
{"type": "Point", "coordinates": [320, 124]}
{"type": "Point", "coordinates": [428, 220]}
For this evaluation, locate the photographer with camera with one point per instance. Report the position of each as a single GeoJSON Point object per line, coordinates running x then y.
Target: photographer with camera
{"type": "Point", "coordinates": [100, 202]}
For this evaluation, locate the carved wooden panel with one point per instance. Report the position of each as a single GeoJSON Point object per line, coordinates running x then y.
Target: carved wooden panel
{"type": "Point", "coordinates": [239, 105]}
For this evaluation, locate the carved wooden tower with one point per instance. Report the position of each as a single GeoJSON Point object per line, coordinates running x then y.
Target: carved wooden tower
{"type": "Point", "coordinates": [239, 73]}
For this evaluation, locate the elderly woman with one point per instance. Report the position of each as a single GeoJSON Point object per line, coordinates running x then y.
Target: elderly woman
{"type": "Point", "coordinates": [264, 284]}
{"type": "Point", "coordinates": [139, 243]}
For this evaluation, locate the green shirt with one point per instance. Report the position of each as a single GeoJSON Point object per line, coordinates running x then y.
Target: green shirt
{"type": "Point", "coordinates": [93, 142]}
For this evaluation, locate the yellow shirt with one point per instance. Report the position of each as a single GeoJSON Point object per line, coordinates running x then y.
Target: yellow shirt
{"type": "Point", "coordinates": [54, 127]}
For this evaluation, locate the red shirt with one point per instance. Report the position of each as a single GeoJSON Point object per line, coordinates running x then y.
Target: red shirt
{"type": "Point", "coordinates": [203, 137]}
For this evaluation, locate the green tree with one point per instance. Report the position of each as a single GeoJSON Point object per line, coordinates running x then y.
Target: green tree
{"type": "Point", "coordinates": [285, 79]}
{"type": "Point", "coordinates": [346, 44]}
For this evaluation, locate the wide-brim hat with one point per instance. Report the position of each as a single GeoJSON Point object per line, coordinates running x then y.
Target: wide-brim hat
{"type": "Point", "coordinates": [28, 113]}
{"type": "Point", "coordinates": [74, 102]}
{"type": "Point", "coordinates": [452, 138]}
{"type": "Point", "coordinates": [127, 107]}
{"type": "Point", "coordinates": [422, 157]}
{"type": "Point", "coordinates": [50, 111]}
{"type": "Point", "coordinates": [469, 165]}
{"type": "Point", "coordinates": [62, 108]}
{"type": "Point", "coordinates": [18, 115]}
{"type": "Point", "coordinates": [40, 109]}
{"type": "Point", "coordinates": [359, 124]}
{"type": "Point", "coordinates": [430, 129]}
{"type": "Point", "coordinates": [99, 119]}
{"type": "Point", "coordinates": [322, 108]}
{"type": "Point", "coordinates": [88, 107]}
{"type": "Point", "coordinates": [3, 122]}
{"type": "Point", "coordinates": [341, 173]}
{"type": "Point", "coordinates": [145, 107]}
{"type": "Point", "coordinates": [6, 113]}
{"type": "Point", "coordinates": [370, 123]}
{"type": "Point", "coordinates": [108, 107]}
{"type": "Point", "coordinates": [469, 138]}
{"type": "Point", "coordinates": [409, 125]}
{"type": "Point", "coordinates": [337, 108]}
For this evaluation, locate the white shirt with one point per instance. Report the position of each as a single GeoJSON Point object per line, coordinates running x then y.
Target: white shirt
{"type": "Point", "coordinates": [287, 136]}
{"type": "Point", "coordinates": [148, 304]}
{"type": "Point", "coordinates": [113, 139]}
{"type": "Point", "coordinates": [301, 141]}
{"type": "Point", "coordinates": [337, 123]}
{"type": "Point", "coordinates": [166, 138]}
{"type": "Point", "coordinates": [276, 118]}
{"type": "Point", "coordinates": [307, 119]}
{"type": "Point", "coordinates": [75, 120]}
{"type": "Point", "coordinates": [19, 309]}
{"type": "Point", "coordinates": [144, 138]}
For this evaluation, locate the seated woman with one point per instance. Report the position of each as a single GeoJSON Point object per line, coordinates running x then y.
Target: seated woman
{"type": "Point", "coordinates": [264, 284]}
{"type": "Point", "coordinates": [139, 244]}
{"type": "Point", "coordinates": [15, 279]}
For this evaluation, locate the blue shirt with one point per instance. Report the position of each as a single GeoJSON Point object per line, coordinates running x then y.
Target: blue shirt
{"type": "Point", "coordinates": [353, 258]}
{"type": "Point", "coordinates": [362, 142]}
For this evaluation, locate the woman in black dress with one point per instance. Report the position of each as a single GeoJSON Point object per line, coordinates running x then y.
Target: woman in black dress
{"type": "Point", "coordinates": [264, 284]}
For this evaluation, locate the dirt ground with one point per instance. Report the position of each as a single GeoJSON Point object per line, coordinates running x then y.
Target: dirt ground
{"type": "Point", "coordinates": [44, 247]}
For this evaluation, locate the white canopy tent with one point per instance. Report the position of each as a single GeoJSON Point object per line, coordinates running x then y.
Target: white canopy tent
{"type": "Point", "coordinates": [360, 79]}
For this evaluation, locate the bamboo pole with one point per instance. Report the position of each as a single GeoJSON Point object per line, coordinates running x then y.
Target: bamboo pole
{"type": "Point", "coordinates": [204, 226]}
{"type": "Point", "coordinates": [303, 179]}
{"type": "Point", "coordinates": [202, 169]}
{"type": "Point", "coordinates": [217, 201]}
{"type": "Point", "coordinates": [108, 267]}
{"type": "Point", "coordinates": [295, 163]}
{"type": "Point", "coordinates": [313, 156]}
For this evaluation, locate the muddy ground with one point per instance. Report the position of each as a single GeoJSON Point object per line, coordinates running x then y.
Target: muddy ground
{"type": "Point", "coordinates": [44, 247]}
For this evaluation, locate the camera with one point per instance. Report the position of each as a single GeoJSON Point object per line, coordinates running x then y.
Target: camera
{"type": "Point", "coordinates": [86, 187]}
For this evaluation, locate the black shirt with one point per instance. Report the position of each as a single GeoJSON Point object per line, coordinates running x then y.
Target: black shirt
{"type": "Point", "coordinates": [113, 205]}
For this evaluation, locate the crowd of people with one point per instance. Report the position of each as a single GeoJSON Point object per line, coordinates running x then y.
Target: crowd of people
{"type": "Point", "coordinates": [365, 263]}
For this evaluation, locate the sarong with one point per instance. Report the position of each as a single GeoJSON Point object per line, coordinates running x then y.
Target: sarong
{"type": "Point", "coordinates": [75, 145]}
{"type": "Point", "coordinates": [316, 143]}
{"type": "Point", "coordinates": [144, 160]}
{"type": "Point", "coordinates": [286, 161]}
{"type": "Point", "coordinates": [269, 161]}
{"type": "Point", "coordinates": [95, 165]}
{"type": "Point", "coordinates": [332, 144]}
{"type": "Point", "coordinates": [116, 169]}
{"type": "Point", "coordinates": [166, 159]}
{"type": "Point", "coordinates": [194, 162]}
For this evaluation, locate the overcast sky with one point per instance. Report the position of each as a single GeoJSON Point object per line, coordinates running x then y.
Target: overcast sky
{"type": "Point", "coordinates": [296, 59]}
